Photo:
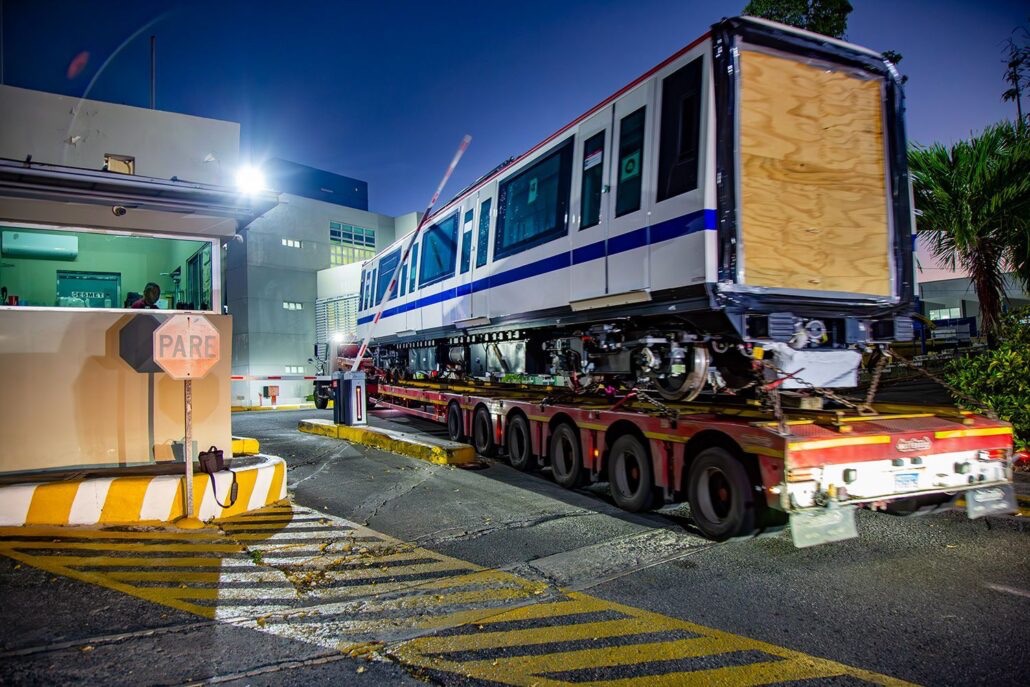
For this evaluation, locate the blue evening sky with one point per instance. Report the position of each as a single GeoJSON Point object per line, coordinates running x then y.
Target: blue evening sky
{"type": "Point", "coordinates": [383, 91]}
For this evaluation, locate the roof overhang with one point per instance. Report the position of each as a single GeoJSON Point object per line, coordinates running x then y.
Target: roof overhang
{"type": "Point", "coordinates": [68, 195]}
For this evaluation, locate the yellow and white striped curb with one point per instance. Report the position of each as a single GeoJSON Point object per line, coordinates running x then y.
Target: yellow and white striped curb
{"type": "Point", "coordinates": [439, 451]}
{"type": "Point", "coordinates": [125, 500]}
{"type": "Point", "coordinates": [245, 446]}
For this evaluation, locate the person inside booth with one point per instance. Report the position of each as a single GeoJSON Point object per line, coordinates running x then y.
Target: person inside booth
{"type": "Point", "coordinates": [151, 293]}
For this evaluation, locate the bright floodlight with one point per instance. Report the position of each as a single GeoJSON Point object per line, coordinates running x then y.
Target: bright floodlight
{"type": "Point", "coordinates": [338, 337]}
{"type": "Point", "coordinates": [250, 180]}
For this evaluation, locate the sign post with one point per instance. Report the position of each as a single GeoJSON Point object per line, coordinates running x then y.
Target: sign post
{"type": "Point", "coordinates": [187, 347]}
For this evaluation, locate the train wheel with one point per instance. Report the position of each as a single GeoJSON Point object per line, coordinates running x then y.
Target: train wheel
{"type": "Point", "coordinates": [566, 458]}
{"type": "Point", "coordinates": [483, 433]}
{"type": "Point", "coordinates": [520, 446]}
{"type": "Point", "coordinates": [630, 475]}
{"type": "Point", "coordinates": [688, 384]}
{"type": "Point", "coordinates": [721, 495]}
{"type": "Point", "coordinates": [455, 423]}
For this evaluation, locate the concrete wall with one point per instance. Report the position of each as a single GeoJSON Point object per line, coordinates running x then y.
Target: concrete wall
{"type": "Point", "coordinates": [261, 273]}
{"type": "Point", "coordinates": [342, 280]}
{"type": "Point", "coordinates": [70, 400]}
{"type": "Point", "coordinates": [59, 129]}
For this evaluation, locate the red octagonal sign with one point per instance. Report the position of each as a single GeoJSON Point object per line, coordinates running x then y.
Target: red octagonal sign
{"type": "Point", "coordinates": [186, 346]}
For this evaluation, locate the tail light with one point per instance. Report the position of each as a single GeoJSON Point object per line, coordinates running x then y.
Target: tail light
{"type": "Point", "coordinates": [993, 454]}
{"type": "Point", "coordinates": [802, 475]}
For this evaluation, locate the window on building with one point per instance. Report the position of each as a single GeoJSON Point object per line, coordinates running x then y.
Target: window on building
{"type": "Point", "coordinates": [466, 242]}
{"type": "Point", "coordinates": [680, 131]}
{"type": "Point", "coordinates": [533, 204]}
{"type": "Point", "coordinates": [294, 369]}
{"type": "Point", "coordinates": [631, 163]}
{"type": "Point", "coordinates": [292, 305]}
{"type": "Point", "coordinates": [387, 266]}
{"type": "Point", "coordinates": [414, 268]}
{"type": "Point", "coordinates": [119, 164]}
{"type": "Point", "coordinates": [349, 244]}
{"type": "Point", "coordinates": [484, 232]}
{"type": "Point", "coordinates": [945, 313]}
{"type": "Point", "coordinates": [52, 267]}
{"type": "Point", "coordinates": [336, 319]}
{"type": "Point", "coordinates": [291, 243]}
{"type": "Point", "coordinates": [439, 251]}
{"type": "Point", "coordinates": [593, 180]}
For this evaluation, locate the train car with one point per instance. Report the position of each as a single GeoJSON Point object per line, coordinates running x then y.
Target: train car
{"type": "Point", "coordinates": [748, 197]}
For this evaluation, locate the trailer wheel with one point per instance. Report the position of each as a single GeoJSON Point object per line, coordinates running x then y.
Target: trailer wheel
{"type": "Point", "coordinates": [630, 477]}
{"type": "Point", "coordinates": [721, 495]}
{"type": "Point", "coordinates": [455, 423]}
{"type": "Point", "coordinates": [321, 402]}
{"type": "Point", "coordinates": [520, 446]}
{"type": "Point", "coordinates": [483, 433]}
{"type": "Point", "coordinates": [566, 457]}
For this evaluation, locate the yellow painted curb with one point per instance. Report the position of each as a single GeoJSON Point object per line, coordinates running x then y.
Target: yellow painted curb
{"type": "Point", "coordinates": [140, 498]}
{"type": "Point", "coordinates": [439, 451]}
{"type": "Point", "coordinates": [245, 446]}
{"type": "Point", "coordinates": [285, 406]}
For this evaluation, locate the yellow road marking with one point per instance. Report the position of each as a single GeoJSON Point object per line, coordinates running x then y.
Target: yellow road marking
{"type": "Point", "coordinates": [468, 597]}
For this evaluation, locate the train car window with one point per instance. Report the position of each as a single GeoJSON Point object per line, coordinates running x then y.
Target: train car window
{"type": "Point", "coordinates": [372, 301]}
{"type": "Point", "coordinates": [466, 242]}
{"type": "Point", "coordinates": [387, 266]}
{"type": "Point", "coordinates": [631, 163]}
{"type": "Point", "coordinates": [404, 279]}
{"type": "Point", "coordinates": [680, 135]}
{"type": "Point", "coordinates": [484, 232]}
{"type": "Point", "coordinates": [361, 292]}
{"type": "Point", "coordinates": [414, 268]}
{"type": "Point", "coordinates": [439, 251]}
{"type": "Point", "coordinates": [593, 171]}
{"type": "Point", "coordinates": [533, 205]}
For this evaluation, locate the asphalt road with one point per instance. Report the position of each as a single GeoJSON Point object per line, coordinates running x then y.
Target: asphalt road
{"type": "Point", "coordinates": [559, 587]}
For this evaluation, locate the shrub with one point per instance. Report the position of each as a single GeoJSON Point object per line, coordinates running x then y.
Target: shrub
{"type": "Point", "coordinates": [1000, 377]}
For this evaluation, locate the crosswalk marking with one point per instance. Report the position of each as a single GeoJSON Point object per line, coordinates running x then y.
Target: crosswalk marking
{"type": "Point", "coordinates": [303, 575]}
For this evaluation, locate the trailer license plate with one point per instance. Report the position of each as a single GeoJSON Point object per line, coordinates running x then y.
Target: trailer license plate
{"type": "Point", "coordinates": [906, 480]}
{"type": "Point", "coordinates": [990, 501]}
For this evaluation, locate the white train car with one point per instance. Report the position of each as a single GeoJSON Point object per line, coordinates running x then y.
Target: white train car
{"type": "Point", "coordinates": [749, 191]}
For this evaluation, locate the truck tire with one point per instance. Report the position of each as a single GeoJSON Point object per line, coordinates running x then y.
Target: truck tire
{"type": "Point", "coordinates": [520, 445]}
{"type": "Point", "coordinates": [721, 495]}
{"type": "Point", "coordinates": [321, 402]}
{"type": "Point", "coordinates": [630, 475]}
{"type": "Point", "coordinates": [455, 423]}
{"type": "Point", "coordinates": [566, 456]}
{"type": "Point", "coordinates": [483, 433]}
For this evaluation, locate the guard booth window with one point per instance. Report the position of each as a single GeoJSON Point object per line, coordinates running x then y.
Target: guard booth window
{"type": "Point", "coordinates": [631, 163]}
{"type": "Point", "coordinates": [51, 267]}
{"type": "Point", "coordinates": [680, 131]}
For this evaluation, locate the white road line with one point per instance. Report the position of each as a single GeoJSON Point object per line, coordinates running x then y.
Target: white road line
{"type": "Point", "coordinates": [1008, 590]}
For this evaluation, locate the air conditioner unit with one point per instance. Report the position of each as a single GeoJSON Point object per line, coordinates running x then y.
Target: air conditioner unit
{"type": "Point", "coordinates": [26, 244]}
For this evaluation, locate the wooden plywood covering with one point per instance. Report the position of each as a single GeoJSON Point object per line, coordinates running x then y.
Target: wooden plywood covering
{"type": "Point", "coordinates": [813, 194]}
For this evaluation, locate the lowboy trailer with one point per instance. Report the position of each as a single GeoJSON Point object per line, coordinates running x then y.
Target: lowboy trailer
{"type": "Point", "coordinates": [740, 469]}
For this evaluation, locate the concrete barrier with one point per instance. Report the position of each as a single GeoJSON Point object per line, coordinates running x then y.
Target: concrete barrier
{"type": "Point", "coordinates": [140, 498]}
{"type": "Point", "coordinates": [431, 449]}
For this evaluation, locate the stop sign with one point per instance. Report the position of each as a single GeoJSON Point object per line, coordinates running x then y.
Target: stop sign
{"type": "Point", "coordinates": [186, 346]}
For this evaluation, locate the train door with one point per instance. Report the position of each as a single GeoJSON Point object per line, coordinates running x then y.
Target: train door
{"type": "Point", "coordinates": [628, 207]}
{"type": "Point", "coordinates": [462, 307]}
{"type": "Point", "coordinates": [589, 277]}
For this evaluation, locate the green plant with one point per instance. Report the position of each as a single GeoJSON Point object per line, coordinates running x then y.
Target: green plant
{"type": "Point", "coordinates": [1000, 377]}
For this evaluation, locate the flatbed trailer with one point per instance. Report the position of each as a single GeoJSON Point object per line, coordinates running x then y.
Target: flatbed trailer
{"type": "Point", "coordinates": [740, 468]}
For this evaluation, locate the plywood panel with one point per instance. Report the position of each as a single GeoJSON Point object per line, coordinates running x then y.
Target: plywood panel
{"type": "Point", "coordinates": [813, 193]}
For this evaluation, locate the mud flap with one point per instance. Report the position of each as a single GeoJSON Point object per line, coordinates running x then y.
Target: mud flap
{"type": "Point", "coordinates": [835, 523]}
{"type": "Point", "coordinates": [991, 501]}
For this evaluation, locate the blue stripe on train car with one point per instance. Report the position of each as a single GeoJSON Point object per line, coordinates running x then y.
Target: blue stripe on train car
{"type": "Point", "coordinates": [663, 231]}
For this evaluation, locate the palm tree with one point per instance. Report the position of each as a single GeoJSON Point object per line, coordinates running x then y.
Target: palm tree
{"type": "Point", "coordinates": [973, 201]}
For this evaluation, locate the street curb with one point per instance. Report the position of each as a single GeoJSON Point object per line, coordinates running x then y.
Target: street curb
{"type": "Point", "coordinates": [431, 449]}
{"type": "Point", "coordinates": [140, 499]}
{"type": "Point", "coordinates": [245, 446]}
{"type": "Point", "coordinates": [287, 406]}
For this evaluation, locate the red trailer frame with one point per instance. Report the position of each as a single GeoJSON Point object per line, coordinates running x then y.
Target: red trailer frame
{"type": "Point", "coordinates": [818, 466]}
